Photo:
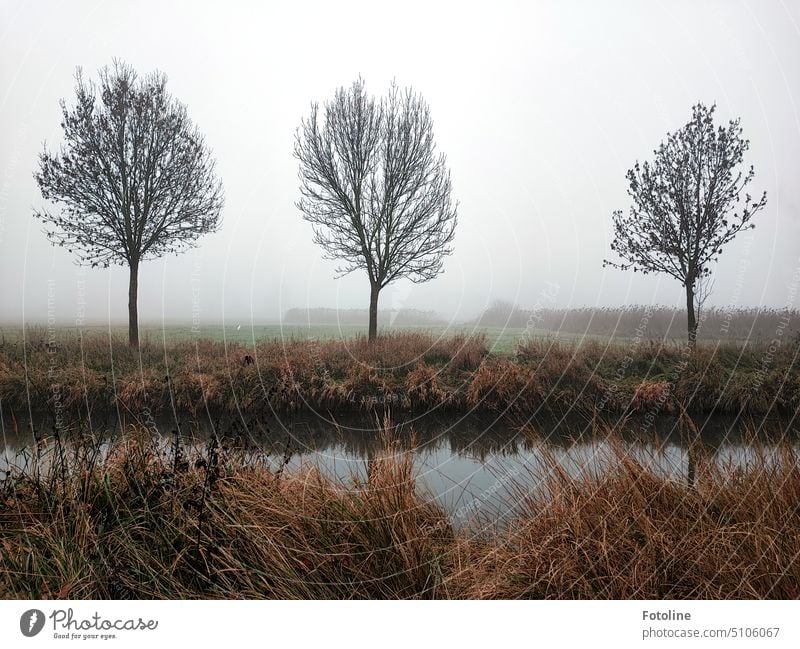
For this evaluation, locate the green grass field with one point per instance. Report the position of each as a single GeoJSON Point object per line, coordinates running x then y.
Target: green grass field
{"type": "Point", "coordinates": [500, 340]}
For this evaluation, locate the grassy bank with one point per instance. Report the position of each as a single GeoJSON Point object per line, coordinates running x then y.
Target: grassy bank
{"type": "Point", "coordinates": [408, 371]}
{"type": "Point", "coordinates": [145, 519]}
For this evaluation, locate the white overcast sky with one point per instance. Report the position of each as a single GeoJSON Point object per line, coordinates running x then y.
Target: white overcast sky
{"type": "Point", "coordinates": [540, 108]}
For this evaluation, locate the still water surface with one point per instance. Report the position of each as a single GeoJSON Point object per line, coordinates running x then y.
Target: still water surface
{"type": "Point", "coordinates": [476, 468]}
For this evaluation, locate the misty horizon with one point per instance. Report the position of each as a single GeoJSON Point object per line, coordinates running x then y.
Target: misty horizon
{"type": "Point", "coordinates": [539, 114]}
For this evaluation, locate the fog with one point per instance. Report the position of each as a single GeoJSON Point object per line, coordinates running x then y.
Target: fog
{"type": "Point", "coordinates": [540, 109]}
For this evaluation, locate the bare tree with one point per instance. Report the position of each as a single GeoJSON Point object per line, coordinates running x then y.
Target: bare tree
{"type": "Point", "coordinates": [133, 179]}
{"type": "Point", "coordinates": [375, 189]}
{"type": "Point", "coordinates": [687, 204]}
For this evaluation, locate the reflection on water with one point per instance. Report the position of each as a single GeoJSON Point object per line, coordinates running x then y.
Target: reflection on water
{"type": "Point", "coordinates": [477, 468]}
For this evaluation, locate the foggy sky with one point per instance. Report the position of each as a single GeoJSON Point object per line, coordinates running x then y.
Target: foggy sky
{"type": "Point", "coordinates": [540, 109]}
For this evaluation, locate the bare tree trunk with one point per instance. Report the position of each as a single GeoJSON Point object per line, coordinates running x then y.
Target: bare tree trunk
{"type": "Point", "coordinates": [373, 311]}
{"type": "Point", "coordinates": [690, 316]}
{"type": "Point", "coordinates": [133, 309]}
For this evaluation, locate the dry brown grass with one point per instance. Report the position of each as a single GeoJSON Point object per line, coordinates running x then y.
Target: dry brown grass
{"type": "Point", "coordinates": [632, 534]}
{"type": "Point", "coordinates": [282, 375]}
{"type": "Point", "coordinates": [151, 520]}
{"type": "Point", "coordinates": [404, 370]}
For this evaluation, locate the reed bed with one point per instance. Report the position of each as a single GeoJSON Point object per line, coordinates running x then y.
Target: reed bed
{"type": "Point", "coordinates": [658, 322]}
{"type": "Point", "coordinates": [147, 518]}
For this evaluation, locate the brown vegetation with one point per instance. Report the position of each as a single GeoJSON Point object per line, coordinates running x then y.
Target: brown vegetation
{"type": "Point", "coordinates": [407, 371]}
{"type": "Point", "coordinates": [143, 519]}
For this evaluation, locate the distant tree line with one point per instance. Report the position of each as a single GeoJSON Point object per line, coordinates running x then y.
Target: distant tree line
{"type": "Point", "coordinates": [400, 317]}
{"type": "Point", "coordinates": [652, 322]}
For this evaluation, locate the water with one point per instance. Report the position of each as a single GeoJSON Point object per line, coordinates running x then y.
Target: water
{"type": "Point", "coordinates": [478, 469]}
